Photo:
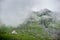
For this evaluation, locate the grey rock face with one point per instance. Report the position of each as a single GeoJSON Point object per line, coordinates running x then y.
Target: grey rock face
{"type": "Point", "coordinates": [46, 18]}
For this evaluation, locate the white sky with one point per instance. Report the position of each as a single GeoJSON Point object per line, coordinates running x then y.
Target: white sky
{"type": "Point", "coordinates": [13, 12]}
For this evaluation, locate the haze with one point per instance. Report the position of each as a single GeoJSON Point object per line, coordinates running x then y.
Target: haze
{"type": "Point", "coordinates": [14, 12]}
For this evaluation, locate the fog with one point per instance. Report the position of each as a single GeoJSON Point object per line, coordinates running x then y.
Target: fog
{"type": "Point", "coordinates": [14, 12]}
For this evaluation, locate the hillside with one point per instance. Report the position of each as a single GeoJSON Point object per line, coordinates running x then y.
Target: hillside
{"type": "Point", "coordinates": [40, 25]}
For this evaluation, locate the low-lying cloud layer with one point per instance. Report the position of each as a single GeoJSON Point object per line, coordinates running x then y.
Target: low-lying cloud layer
{"type": "Point", "coordinates": [13, 12]}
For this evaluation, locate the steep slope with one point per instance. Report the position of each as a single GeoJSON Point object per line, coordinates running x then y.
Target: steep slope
{"type": "Point", "coordinates": [39, 24]}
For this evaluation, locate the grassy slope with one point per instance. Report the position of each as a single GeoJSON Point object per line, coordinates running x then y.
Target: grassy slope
{"type": "Point", "coordinates": [28, 32]}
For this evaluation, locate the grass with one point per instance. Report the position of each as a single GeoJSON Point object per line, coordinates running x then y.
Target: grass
{"type": "Point", "coordinates": [22, 36]}
{"type": "Point", "coordinates": [16, 37]}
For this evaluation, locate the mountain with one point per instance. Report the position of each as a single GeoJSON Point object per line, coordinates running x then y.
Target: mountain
{"type": "Point", "coordinates": [41, 17]}
{"type": "Point", "coordinates": [40, 24]}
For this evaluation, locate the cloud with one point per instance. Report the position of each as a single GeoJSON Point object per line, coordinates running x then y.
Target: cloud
{"type": "Point", "coordinates": [50, 4]}
{"type": "Point", "coordinates": [15, 11]}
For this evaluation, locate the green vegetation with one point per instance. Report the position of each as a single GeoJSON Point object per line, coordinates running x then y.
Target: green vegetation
{"type": "Point", "coordinates": [29, 32]}
{"type": "Point", "coordinates": [32, 29]}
